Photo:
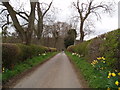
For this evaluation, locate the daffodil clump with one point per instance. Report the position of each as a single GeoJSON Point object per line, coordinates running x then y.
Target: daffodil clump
{"type": "Point", "coordinates": [99, 64]}
{"type": "Point", "coordinates": [44, 54]}
{"type": "Point", "coordinates": [75, 54]}
{"type": "Point", "coordinates": [112, 76]}
{"type": "Point", "coordinates": [3, 69]}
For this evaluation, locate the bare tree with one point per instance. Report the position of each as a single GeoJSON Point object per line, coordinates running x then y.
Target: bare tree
{"type": "Point", "coordinates": [59, 31]}
{"type": "Point", "coordinates": [55, 33]}
{"type": "Point", "coordinates": [25, 34]}
{"type": "Point", "coordinates": [86, 9]}
{"type": "Point", "coordinates": [41, 15]}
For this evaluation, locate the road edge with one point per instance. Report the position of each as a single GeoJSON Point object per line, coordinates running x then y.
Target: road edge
{"type": "Point", "coordinates": [81, 78]}
{"type": "Point", "coordinates": [12, 82]}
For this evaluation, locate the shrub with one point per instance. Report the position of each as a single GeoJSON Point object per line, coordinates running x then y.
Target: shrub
{"type": "Point", "coordinates": [31, 51]}
{"type": "Point", "coordinates": [10, 53]}
{"type": "Point", "coordinates": [109, 47]}
{"type": "Point", "coordinates": [14, 53]}
{"type": "Point", "coordinates": [70, 48]}
{"type": "Point", "coordinates": [106, 45]}
{"type": "Point", "coordinates": [52, 49]}
{"type": "Point", "coordinates": [82, 48]}
{"type": "Point", "coordinates": [24, 52]}
{"type": "Point", "coordinates": [93, 49]}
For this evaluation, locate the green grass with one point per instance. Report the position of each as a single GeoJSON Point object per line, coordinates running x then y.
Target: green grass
{"type": "Point", "coordinates": [95, 78]}
{"type": "Point", "coordinates": [23, 66]}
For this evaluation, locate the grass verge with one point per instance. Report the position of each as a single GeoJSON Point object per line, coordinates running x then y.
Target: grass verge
{"type": "Point", "coordinates": [94, 78]}
{"type": "Point", "coordinates": [24, 66]}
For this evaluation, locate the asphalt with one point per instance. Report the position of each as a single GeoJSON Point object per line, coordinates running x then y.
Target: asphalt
{"type": "Point", "coordinates": [57, 72]}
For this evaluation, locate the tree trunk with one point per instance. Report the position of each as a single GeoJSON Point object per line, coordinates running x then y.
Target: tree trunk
{"type": "Point", "coordinates": [30, 29]}
{"type": "Point", "coordinates": [81, 31]}
{"type": "Point", "coordinates": [55, 42]}
{"type": "Point", "coordinates": [40, 28]}
{"type": "Point", "coordinates": [40, 22]}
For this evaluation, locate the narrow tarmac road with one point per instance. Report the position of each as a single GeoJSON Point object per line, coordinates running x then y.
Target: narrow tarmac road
{"type": "Point", "coordinates": [55, 73]}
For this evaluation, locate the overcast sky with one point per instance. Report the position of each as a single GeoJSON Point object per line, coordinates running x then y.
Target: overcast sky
{"type": "Point", "coordinates": [107, 23]}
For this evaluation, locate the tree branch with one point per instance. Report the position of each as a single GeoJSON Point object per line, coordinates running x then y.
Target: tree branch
{"type": "Point", "coordinates": [18, 13]}
{"type": "Point", "coordinates": [24, 14]}
{"type": "Point", "coordinates": [8, 18]}
{"type": "Point", "coordinates": [14, 19]}
{"type": "Point", "coordinates": [89, 10]}
{"type": "Point", "coordinates": [100, 6]}
{"type": "Point", "coordinates": [97, 15]}
{"type": "Point", "coordinates": [24, 24]}
{"type": "Point", "coordinates": [3, 11]}
{"type": "Point", "coordinates": [5, 25]}
{"type": "Point", "coordinates": [78, 8]}
{"type": "Point", "coordinates": [47, 9]}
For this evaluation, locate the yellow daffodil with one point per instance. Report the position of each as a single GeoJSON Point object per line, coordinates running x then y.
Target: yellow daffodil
{"type": "Point", "coordinates": [117, 83]}
{"type": "Point", "coordinates": [113, 74]}
{"type": "Point", "coordinates": [119, 73]}
{"type": "Point", "coordinates": [3, 69]}
{"type": "Point", "coordinates": [93, 63]}
{"type": "Point", "coordinates": [108, 77]}
{"type": "Point", "coordinates": [109, 74]}
{"type": "Point", "coordinates": [103, 61]}
{"type": "Point", "coordinates": [103, 58]}
{"type": "Point", "coordinates": [118, 88]}
{"type": "Point", "coordinates": [108, 88]}
{"type": "Point", "coordinates": [99, 58]}
{"type": "Point", "coordinates": [96, 61]}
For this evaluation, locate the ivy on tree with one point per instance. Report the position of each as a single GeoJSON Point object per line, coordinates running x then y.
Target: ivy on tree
{"type": "Point", "coordinates": [70, 38]}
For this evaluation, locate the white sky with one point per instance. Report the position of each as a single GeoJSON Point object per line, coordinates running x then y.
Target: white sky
{"type": "Point", "coordinates": [108, 23]}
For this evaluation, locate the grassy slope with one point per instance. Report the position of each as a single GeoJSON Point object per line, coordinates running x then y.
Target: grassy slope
{"type": "Point", "coordinates": [106, 45]}
{"type": "Point", "coordinates": [93, 77]}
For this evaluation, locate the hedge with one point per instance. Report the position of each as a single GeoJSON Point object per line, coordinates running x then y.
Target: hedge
{"type": "Point", "coordinates": [106, 45]}
{"type": "Point", "coordinates": [15, 53]}
{"type": "Point", "coordinates": [10, 52]}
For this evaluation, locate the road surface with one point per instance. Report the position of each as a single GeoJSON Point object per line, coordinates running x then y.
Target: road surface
{"type": "Point", "coordinates": [58, 72]}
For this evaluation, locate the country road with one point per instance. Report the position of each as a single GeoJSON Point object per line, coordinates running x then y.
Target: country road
{"type": "Point", "coordinates": [58, 72]}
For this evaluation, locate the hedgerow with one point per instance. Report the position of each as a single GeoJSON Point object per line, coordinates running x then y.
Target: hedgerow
{"type": "Point", "coordinates": [106, 45]}
{"type": "Point", "coordinates": [103, 53]}
{"type": "Point", "coordinates": [10, 52]}
{"type": "Point", "coordinates": [15, 53]}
